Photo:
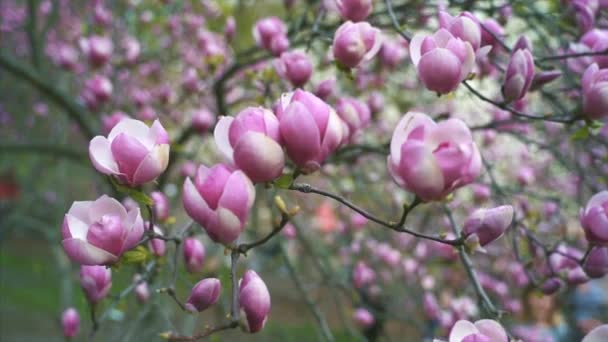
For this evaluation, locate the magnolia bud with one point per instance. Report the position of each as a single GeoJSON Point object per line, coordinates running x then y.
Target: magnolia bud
{"type": "Point", "coordinates": [70, 322]}
{"type": "Point", "coordinates": [355, 43]}
{"type": "Point", "coordinates": [194, 255]}
{"type": "Point", "coordinates": [594, 219]}
{"type": "Point", "coordinates": [363, 318]}
{"type": "Point", "coordinates": [596, 264]}
{"type": "Point", "coordinates": [96, 282]}
{"type": "Point", "coordinates": [551, 286]}
{"type": "Point", "coordinates": [489, 224]}
{"type": "Point", "coordinates": [204, 294]}
{"type": "Point", "coordinates": [254, 301]}
{"type": "Point", "coordinates": [161, 205]}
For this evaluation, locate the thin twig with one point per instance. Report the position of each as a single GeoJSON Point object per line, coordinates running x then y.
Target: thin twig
{"type": "Point", "coordinates": [398, 227]}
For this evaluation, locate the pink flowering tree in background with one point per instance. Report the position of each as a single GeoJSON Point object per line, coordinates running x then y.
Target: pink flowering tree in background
{"type": "Point", "coordinates": [360, 169]}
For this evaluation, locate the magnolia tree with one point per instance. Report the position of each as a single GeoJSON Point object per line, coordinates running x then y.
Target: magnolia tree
{"type": "Point", "coordinates": [412, 164]}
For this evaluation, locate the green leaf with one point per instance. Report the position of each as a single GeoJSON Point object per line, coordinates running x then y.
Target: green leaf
{"type": "Point", "coordinates": [595, 127]}
{"type": "Point", "coordinates": [135, 256]}
{"type": "Point", "coordinates": [137, 195]}
{"type": "Point", "coordinates": [580, 134]}
{"type": "Point", "coordinates": [284, 182]}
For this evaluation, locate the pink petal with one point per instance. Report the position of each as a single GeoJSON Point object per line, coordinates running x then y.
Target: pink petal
{"type": "Point", "coordinates": [101, 156]}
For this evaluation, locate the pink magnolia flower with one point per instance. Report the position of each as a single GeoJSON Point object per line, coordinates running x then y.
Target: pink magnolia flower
{"type": "Point", "coordinates": [161, 205]}
{"type": "Point", "coordinates": [254, 301]}
{"type": "Point", "coordinates": [96, 282]}
{"type": "Point", "coordinates": [194, 255]}
{"type": "Point", "coordinates": [251, 141]}
{"type": "Point", "coordinates": [204, 294]}
{"type": "Point", "coordinates": [392, 53]}
{"type": "Point", "coordinates": [488, 224]}
{"type": "Point", "coordinates": [442, 60]}
{"type": "Point", "coordinates": [598, 334]}
{"type": "Point", "coordinates": [363, 318]}
{"type": "Point", "coordinates": [355, 114]}
{"type": "Point", "coordinates": [496, 30]}
{"type": "Point", "coordinates": [98, 49]}
{"type": "Point", "coordinates": [432, 159]}
{"type": "Point", "coordinates": [133, 152]}
{"type": "Point", "coordinates": [220, 201]}
{"type": "Point", "coordinates": [354, 10]}
{"type": "Point", "coordinates": [485, 330]}
{"type": "Point", "coordinates": [98, 232]}
{"type": "Point", "coordinates": [271, 34]}
{"type": "Point", "coordinates": [295, 66]}
{"type": "Point", "coordinates": [142, 291]}
{"type": "Point", "coordinates": [519, 75]}
{"type": "Point", "coordinates": [355, 43]}
{"type": "Point", "coordinates": [594, 219]}
{"type": "Point", "coordinates": [70, 322]}
{"type": "Point", "coordinates": [596, 264]}
{"type": "Point", "coordinates": [310, 129]}
{"type": "Point", "coordinates": [595, 92]}
{"type": "Point", "coordinates": [158, 247]}
{"type": "Point", "coordinates": [202, 120]}
{"type": "Point", "coordinates": [464, 26]}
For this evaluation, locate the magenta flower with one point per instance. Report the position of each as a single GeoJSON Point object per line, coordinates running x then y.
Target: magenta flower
{"type": "Point", "coordinates": [354, 10]}
{"type": "Point", "coordinates": [254, 301]}
{"type": "Point", "coordinates": [220, 201]}
{"type": "Point", "coordinates": [194, 255]}
{"type": "Point", "coordinates": [488, 224]}
{"type": "Point", "coordinates": [485, 330]}
{"type": "Point", "coordinates": [251, 141]}
{"type": "Point", "coordinates": [442, 61]}
{"type": "Point", "coordinates": [98, 49]}
{"type": "Point", "coordinates": [310, 129]}
{"type": "Point", "coordinates": [295, 66]}
{"type": "Point", "coordinates": [519, 75]}
{"type": "Point", "coordinates": [363, 318]}
{"type": "Point", "coordinates": [158, 247]}
{"type": "Point", "coordinates": [98, 232]}
{"type": "Point", "coordinates": [133, 152]}
{"type": "Point", "coordinates": [432, 159]}
{"type": "Point", "coordinates": [596, 264]}
{"type": "Point", "coordinates": [271, 34]}
{"type": "Point", "coordinates": [355, 43]}
{"type": "Point", "coordinates": [204, 294]}
{"type": "Point", "coordinates": [594, 219]}
{"type": "Point", "coordinates": [355, 114]}
{"type": "Point", "coordinates": [595, 92]}
{"type": "Point", "coordinates": [464, 26]}
{"type": "Point", "coordinates": [96, 282]}
{"type": "Point", "coordinates": [70, 322]}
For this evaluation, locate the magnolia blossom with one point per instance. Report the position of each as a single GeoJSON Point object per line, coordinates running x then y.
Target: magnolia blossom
{"type": "Point", "coordinates": [271, 33]}
{"type": "Point", "coordinates": [519, 75]}
{"type": "Point", "coordinates": [596, 263]}
{"type": "Point", "coordinates": [442, 60]}
{"type": "Point", "coordinates": [204, 294]}
{"type": "Point", "coordinates": [432, 159]}
{"type": "Point", "coordinates": [254, 301]}
{"type": "Point", "coordinates": [488, 225]}
{"type": "Point", "coordinates": [354, 113]}
{"type": "Point", "coordinates": [133, 152]}
{"type": "Point", "coordinates": [219, 200]}
{"type": "Point", "coordinates": [594, 219]}
{"type": "Point", "coordinates": [355, 10]}
{"type": "Point", "coordinates": [595, 92]}
{"type": "Point", "coordinates": [464, 26]}
{"type": "Point", "coordinates": [295, 66]}
{"type": "Point", "coordinates": [355, 43]}
{"type": "Point", "coordinates": [251, 141]}
{"type": "Point", "coordinates": [70, 322]}
{"type": "Point", "coordinates": [485, 330]}
{"type": "Point", "coordinates": [310, 129]}
{"type": "Point", "coordinates": [96, 281]}
{"type": "Point", "coordinates": [598, 334]}
{"type": "Point", "coordinates": [194, 255]}
{"type": "Point", "coordinates": [98, 232]}
{"type": "Point", "coordinates": [363, 318]}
